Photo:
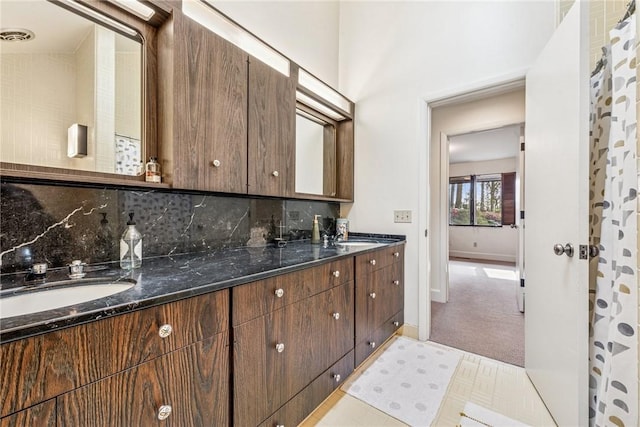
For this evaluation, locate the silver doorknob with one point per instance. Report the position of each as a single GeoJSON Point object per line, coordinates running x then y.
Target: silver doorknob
{"type": "Point", "coordinates": [280, 347]}
{"type": "Point", "coordinates": [372, 344]}
{"type": "Point", "coordinates": [514, 226]}
{"type": "Point", "coordinates": [396, 282]}
{"type": "Point", "coordinates": [396, 323]}
{"type": "Point", "coordinates": [164, 412]}
{"type": "Point", "coordinates": [372, 295]}
{"type": "Point", "coordinates": [567, 249]}
{"type": "Point", "coordinates": [396, 254]}
{"type": "Point", "coordinates": [165, 331]}
{"type": "Point", "coordinates": [336, 315]}
{"type": "Point", "coordinates": [215, 163]}
{"type": "Point", "coordinates": [336, 273]}
{"type": "Point", "coordinates": [372, 262]}
{"type": "Point", "coordinates": [275, 173]}
{"type": "Point", "coordinates": [279, 292]}
{"type": "Point", "coordinates": [337, 377]}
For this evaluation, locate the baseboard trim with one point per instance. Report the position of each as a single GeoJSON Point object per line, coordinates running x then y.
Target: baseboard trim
{"type": "Point", "coordinates": [410, 331]}
{"type": "Point", "coordinates": [483, 255]}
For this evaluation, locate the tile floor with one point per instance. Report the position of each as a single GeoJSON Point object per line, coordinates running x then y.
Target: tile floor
{"type": "Point", "coordinates": [498, 386]}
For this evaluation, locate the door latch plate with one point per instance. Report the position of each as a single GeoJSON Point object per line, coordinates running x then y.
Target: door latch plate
{"type": "Point", "coordinates": [583, 252]}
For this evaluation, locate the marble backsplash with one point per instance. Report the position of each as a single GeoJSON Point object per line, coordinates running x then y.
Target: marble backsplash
{"type": "Point", "coordinates": [57, 224]}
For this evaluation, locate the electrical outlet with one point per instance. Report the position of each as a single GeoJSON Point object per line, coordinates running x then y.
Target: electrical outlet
{"type": "Point", "coordinates": [401, 216]}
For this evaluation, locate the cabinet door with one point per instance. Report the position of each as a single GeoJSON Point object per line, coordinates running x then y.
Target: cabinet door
{"type": "Point", "coordinates": [266, 378]}
{"type": "Point", "coordinates": [210, 111]}
{"type": "Point", "coordinates": [272, 112]}
{"type": "Point", "coordinates": [42, 415]}
{"type": "Point", "coordinates": [47, 365]}
{"type": "Point", "coordinates": [193, 381]}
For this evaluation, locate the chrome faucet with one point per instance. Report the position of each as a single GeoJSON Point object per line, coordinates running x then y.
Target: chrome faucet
{"type": "Point", "coordinates": [76, 269]}
{"type": "Point", "coordinates": [37, 272]}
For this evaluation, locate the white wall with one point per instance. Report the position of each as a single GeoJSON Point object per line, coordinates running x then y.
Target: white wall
{"type": "Point", "coordinates": [393, 56]}
{"type": "Point", "coordinates": [305, 31]}
{"type": "Point", "coordinates": [492, 243]}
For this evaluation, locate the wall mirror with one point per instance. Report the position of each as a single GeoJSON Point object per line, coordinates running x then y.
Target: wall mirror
{"type": "Point", "coordinates": [70, 70]}
{"type": "Point", "coordinates": [315, 155]}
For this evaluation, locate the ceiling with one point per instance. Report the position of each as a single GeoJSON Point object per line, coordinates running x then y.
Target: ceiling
{"type": "Point", "coordinates": [500, 143]}
{"type": "Point", "coordinates": [57, 29]}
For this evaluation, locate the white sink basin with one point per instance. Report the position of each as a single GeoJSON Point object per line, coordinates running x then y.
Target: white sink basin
{"type": "Point", "coordinates": [355, 243]}
{"type": "Point", "coordinates": [66, 293]}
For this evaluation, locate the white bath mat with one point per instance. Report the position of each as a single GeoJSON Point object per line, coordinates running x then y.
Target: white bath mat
{"type": "Point", "coordinates": [407, 381]}
{"type": "Point", "coordinates": [477, 416]}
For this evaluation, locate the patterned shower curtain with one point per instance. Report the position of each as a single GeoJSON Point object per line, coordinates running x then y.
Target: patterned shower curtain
{"type": "Point", "coordinates": [613, 358]}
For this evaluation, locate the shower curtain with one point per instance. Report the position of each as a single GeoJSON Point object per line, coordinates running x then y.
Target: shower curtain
{"type": "Point", "coordinates": [613, 358]}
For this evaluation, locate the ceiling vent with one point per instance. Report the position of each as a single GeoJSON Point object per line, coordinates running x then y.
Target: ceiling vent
{"type": "Point", "coordinates": [16, 35]}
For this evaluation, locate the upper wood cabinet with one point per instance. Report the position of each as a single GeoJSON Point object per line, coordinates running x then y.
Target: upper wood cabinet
{"type": "Point", "coordinates": [271, 144]}
{"type": "Point", "coordinates": [203, 108]}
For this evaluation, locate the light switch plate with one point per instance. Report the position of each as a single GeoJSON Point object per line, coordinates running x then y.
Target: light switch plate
{"type": "Point", "coordinates": [402, 216]}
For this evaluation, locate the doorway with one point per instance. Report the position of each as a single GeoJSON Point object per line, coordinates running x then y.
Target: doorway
{"type": "Point", "coordinates": [482, 313]}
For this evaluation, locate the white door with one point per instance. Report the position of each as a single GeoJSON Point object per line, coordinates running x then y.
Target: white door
{"type": "Point", "coordinates": [557, 147]}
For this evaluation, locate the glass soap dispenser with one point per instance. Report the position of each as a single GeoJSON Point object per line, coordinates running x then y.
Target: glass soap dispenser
{"type": "Point", "coordinates": [131, 246]}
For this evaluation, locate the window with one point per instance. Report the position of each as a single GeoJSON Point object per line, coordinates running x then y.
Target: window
{"type": "Point", "coordinates": [482, 200]}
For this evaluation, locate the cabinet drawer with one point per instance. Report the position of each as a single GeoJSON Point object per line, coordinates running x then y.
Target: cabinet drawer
{"type": "Point", "coordinates": [193, 381]}
{"type": "Point", "coordinates": [384, 331]}
{"type": "Point", "coordinates": [312, 338]}
{"type": "Point", "coordinates": [372, 261]}
{"type": "Point", "coordinates": [47, 365]}
{"type": "Point", "coordinates": [305, 402]}
{"type": "Point", "coordinates": [258, 298]}
{"type": "Point", "coordinates": [42, 415]}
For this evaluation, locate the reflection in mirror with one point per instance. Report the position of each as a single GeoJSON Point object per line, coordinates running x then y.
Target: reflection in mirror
{"type": "Point", "coordinates": [72, 72]}
{"type": "Point", "coordinates": [315, 155]}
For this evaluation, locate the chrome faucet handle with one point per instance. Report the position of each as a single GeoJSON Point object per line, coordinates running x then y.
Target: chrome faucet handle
{"type": "Point", "coordinates": [39, 268]}
{"type": "Point", "coordinates": [76, 269]}
{"type": "Point", "coordinates": [37, 272]}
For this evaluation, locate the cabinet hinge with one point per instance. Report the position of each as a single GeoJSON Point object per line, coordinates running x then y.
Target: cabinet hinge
{"type": "Point", "coordinates": [522, 146]}
{"type": "Point", "coordinates": [426, 233]}
{"type": "Point", "coordinates": [522, 283]}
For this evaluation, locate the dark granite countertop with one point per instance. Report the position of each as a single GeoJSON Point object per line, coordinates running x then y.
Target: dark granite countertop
{"type": "Point", "coordinates": [165, 279]}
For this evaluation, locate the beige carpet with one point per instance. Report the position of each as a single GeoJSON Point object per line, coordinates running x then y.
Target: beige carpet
{"type": "Point", "coordinates": [482, 315]}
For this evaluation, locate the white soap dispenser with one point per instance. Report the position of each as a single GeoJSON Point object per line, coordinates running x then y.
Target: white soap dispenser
{"type": "Point", "coordinates": [131, 246]}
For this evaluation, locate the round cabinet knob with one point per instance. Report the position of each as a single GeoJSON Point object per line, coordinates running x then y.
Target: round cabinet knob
{"type": "Point", "coordinates": [372, 262]}
{"type": "Point", "coordinates": [336, 273]}
{"type": "Point", "coordinates": [164, 412]}
{"type": "Point", "coordinates": [396, 254]}
{"type": "Point", "coordinates": [396, 323]}
{"type": "Point", "coordinates": [280, 347]}
{"type": "Point", "coordinates": [336, 316]}
{"type": "Point", "coordinates": [372, 295]}
{"type": "Point", "coordinates": [279, 292]}
{"type": "Point", "coordinates": [396, 282]}
{"type": "Point", "coordinates": [372, 344]}
{"type": "Point", "coordinates": [337, 377]}
{"type": "Point", "coordinates": [279, 425]}
{"type": "Point", "coordinates": [165, 330]}
{"type": "Point", "coordinates": [215, 163]}
{"type": "Point", "coordinates": [275, 173]}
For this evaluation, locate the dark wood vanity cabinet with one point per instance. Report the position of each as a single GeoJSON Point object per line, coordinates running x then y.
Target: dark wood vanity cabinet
{"type": "Point", "coordinates": [295, 349]}
{"type": "Point", "coordinates": [41, 415]}
{"type": "Point", "coordinates": [203, 108]}
{"type": "Point", "coordinates": [379, 295]}
{"type": "Point", "coordinates": [123, 368]}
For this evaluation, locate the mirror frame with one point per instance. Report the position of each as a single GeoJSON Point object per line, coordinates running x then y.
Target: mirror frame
{"type": "Point", "coordinates": [343, 182]}
{"type": "Point", "coordinates": [147, 32]}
